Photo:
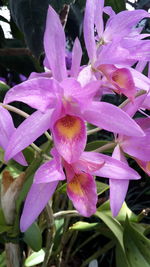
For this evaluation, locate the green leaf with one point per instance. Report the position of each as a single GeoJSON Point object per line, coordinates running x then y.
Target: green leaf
{"type": "Point", "coordinates": [33, 237]}
{"type": "Point", "coordinates": [121, 259]}
{"type": "Point", "coordinates": [116, 5]}
{"type": "Point", "coordinates": [101, 187]}
{"type": "Point", "coordinates": [58, 5]}
{"type": "Point", "coordinates": [29, 154]}
{"type": "Point", "coordinates": [104, 213]}
{"type": "Point", "coordinates": [124, 212]}
{"type": "Point", "coordinates": [3, 259]}
{"type": "Point", "coordinates": [59, 230]}
{"type": "Point", "coordinates": [35, 258]}
{"type": "Point", "coordinates": [84, 226]}
{"type": "Point", "coordinates": [62, 188]}
{"type": "Point", "coordinates": [30, 16]}
{"type": "Point", "coordinates": [3, 90]}
{"type": "Point", "coordinates": [137, 246]}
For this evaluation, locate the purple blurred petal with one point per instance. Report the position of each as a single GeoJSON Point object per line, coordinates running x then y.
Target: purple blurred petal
{"type": "Point", "coordinates": [132, 107]}
{"type": "Point", "coordinates": [118, 190]}
{"type": "Point", "coordinates": [49, 172]}
{"type": "Point", "coordinates": [6, 127]}
{"type": "Point", "coordinates": [54, 44]}
{"type": "Point", "coordinates": [112, 168]}
{"type": "Point", "coordinates": [111, 118]}
{"type": "Point", "coordinates": [82, 192]}
{"type": "Point", "coordinates": [38, 93]}
{"type": "Point", "coordinates": [89, 29]}
{"type": "Point", "coordinates": [122, 23]}
{"type": "Point", "coordinates": [138, 147]}
{"type": "Point", "coordinates": [27, 132]}
{"type": "Point", "coordinates": [99, 17]}
{"type": "Point", "coordinates": [76, 58]}
{"type": "Point", "coordinates": [35, 202]}
{"type": "Point", "coordinates": [20, 159]}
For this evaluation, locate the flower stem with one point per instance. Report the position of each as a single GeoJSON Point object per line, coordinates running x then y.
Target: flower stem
{"type": "Point", "coordinates": [95, 130]}
{"type": "Point", "coordinates": [105, 147]}
{"type": "Point", "coordinates": [50, 235]}
{"type": "Point", "coordinates": [65, 213]}
{"type": "Point", "coordinates": [23, 114]}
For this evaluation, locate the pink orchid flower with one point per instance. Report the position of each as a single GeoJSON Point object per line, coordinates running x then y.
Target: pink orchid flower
{"type": "Point", "coordinates": [81, 186]}
{"type": "Point", "coordinates": [62, 104]}
{"type": "Point", "coordinates": [116, 47]}
{"type": "Point", "coordinates": [6, 130]}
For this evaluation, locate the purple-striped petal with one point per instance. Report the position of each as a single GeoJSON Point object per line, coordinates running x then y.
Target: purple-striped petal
{"type": "Point", "coordinates": [54, 44]}
{"type": "Point", "coordinates": [27, 132]}
{"type": "Point", "coordinates": [111, 118]}
{"type": "Point", "coordinates": [37, 93]}
{"type": "Point", "coordinates": [36, 200]}
{"type": "Point", "coordinates": [82, 192]}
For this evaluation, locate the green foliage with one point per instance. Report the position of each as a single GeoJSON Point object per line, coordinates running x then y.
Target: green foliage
{"type": "Point", "coordinates": [58, 4]}
{"type": "Point", "coordinates": [30, 16]}
{"type": "Point", "coordinates": [35, 258]}
{"type": "Point", "coordinates": [116, 5]}
{"type": "Point", "coordinates": [137, 246]}
{"type": "Point", "coordinates": [33, 237]}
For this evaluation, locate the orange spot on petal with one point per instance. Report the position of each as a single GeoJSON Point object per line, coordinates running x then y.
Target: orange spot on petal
{"type": "Point", "coordinates": [77, 184]}
{"type": "Point", "coordinates": [69, 126]}
{"type": "Point", "coordinates": [120, 78]}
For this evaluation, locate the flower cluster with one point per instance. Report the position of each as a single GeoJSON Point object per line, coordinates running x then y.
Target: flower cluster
{"type": "Point", "coordinates": [68, 96]}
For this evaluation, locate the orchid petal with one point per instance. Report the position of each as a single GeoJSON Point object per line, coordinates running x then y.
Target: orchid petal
{"type": "Point", "coordinates": [49, 172]}
{"type": "Point", "coordinates": [138, 147]}
{"type": "Point", "coordinates": [132, 108]}
{"type": "Point", "coordinates": [54, 44]}
{"type": "Point", "coordinates": [99, 17]}
{"type": "Point", "coordinates": [86, 75]}
{"type": "Point", "coordinates": [111, 118]}
{"type": "Point", "coordinates": [20, 159]}
{"type": "Point", "coordinates": [27, 132]}
{"type": "Point", "coordinates": [120, 78]}
{"type": "Point", "coordinates": [6, 130]}
{"type": "Point", "coordinates": [69, 135]}
{"type": "Point", "coordinates": [144, 165]}
{"type": "Point", "coordinates": [112, 168]}
{"type": "Point", "coordinates": [84, 96]}
{"type": "Point", "coordinates": [37, 93]}
{"type": "Point", "coordinates": [122, 23]}
{"type": "Point", "coordinates": [76, 58]}
{"type": "Point", "coordinates": [89, 29]}
{"type": "Point", "coordinates": [82, 192]}
{"type": "Point", "coordinates": [7, 127]}
{"type": "Point", "coordinates": [36, 200]}
{"type": "Point", "coordinates": [118, 190]}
